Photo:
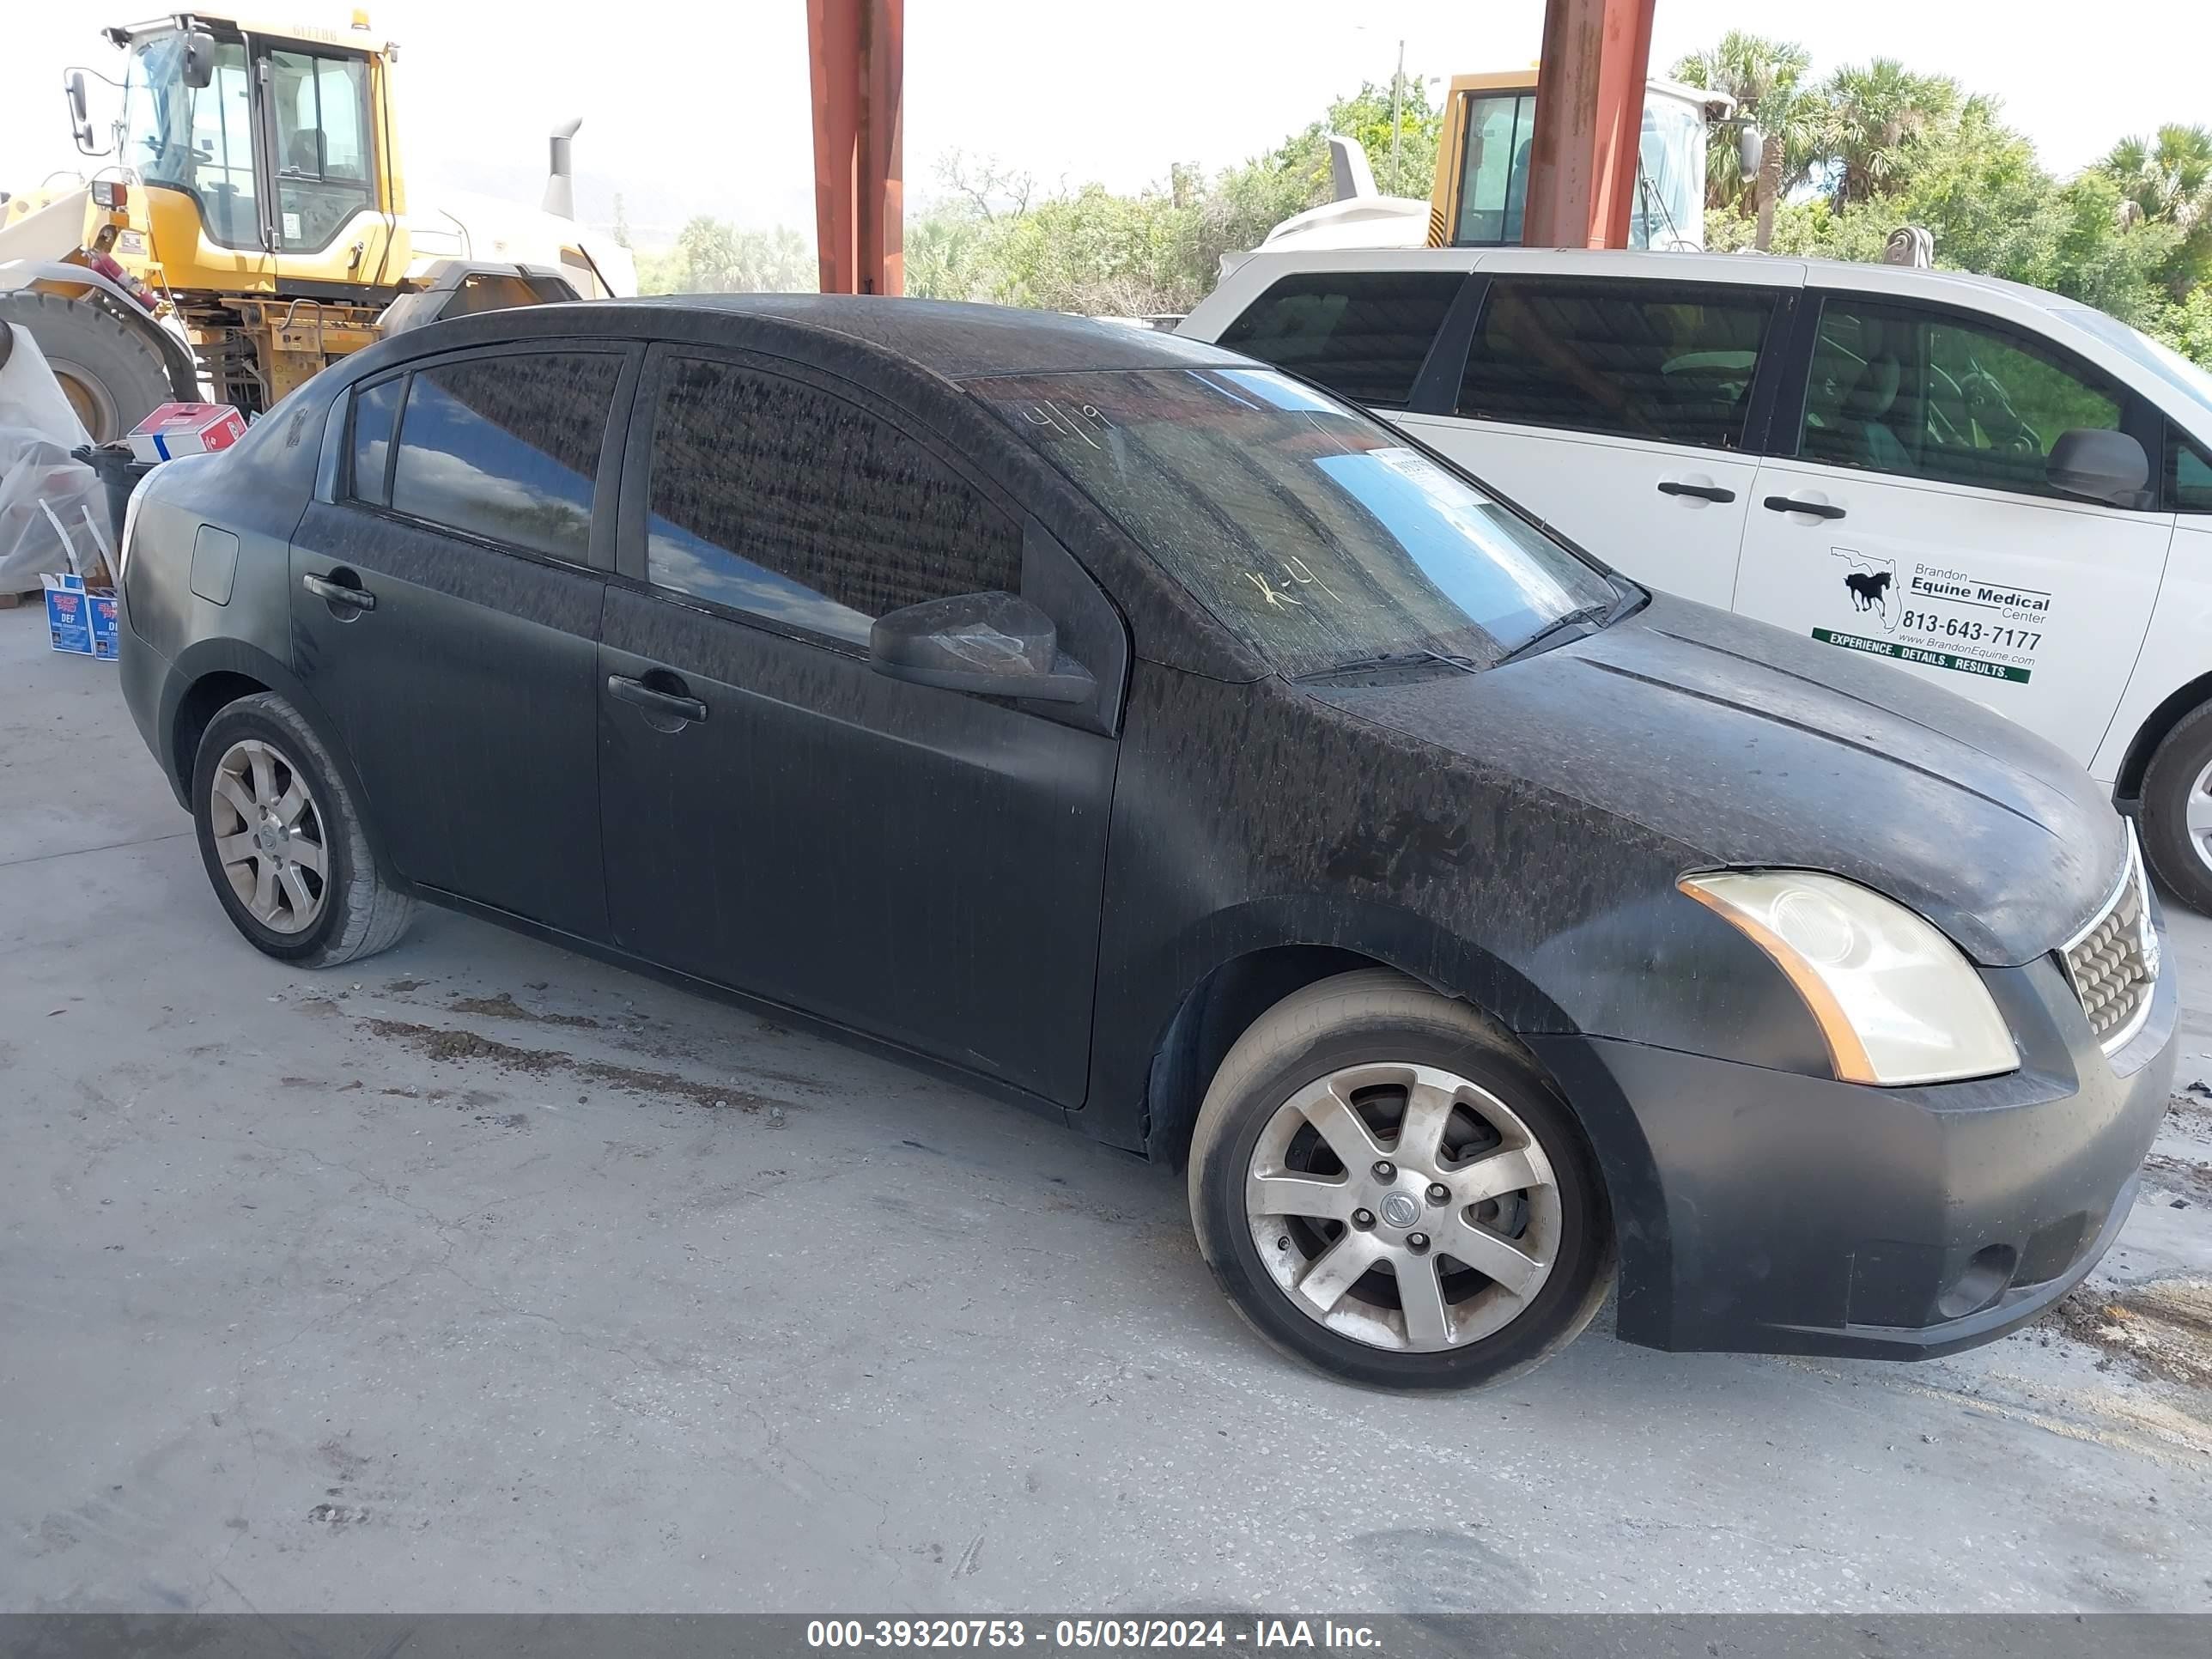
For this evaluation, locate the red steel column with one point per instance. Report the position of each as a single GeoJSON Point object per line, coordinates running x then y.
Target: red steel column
{"type": "Point", "coordinates": [857, 49]}
{"type": "Point", "coordinates": [1589, 118]}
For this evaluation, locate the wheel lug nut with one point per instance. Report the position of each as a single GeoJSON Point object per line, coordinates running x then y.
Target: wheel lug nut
{"type": "Point", "coordinates": [1385, 1171]}
{"type": "Point", "coordinates": [1417, 1241]}
{"type": "Point", "coordinates": [1363, 1217]}
{"type": "Point", "coordinates": [1439, 1193]}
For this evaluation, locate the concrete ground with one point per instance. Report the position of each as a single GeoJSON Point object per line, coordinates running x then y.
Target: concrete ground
{"type": "Point", "coordinates": [443, 1283]}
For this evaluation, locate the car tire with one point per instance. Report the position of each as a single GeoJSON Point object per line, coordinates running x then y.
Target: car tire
{"type": "Point", "coordinates": [1369, 1039]}
{"type": "Point", "coordinates": [281, 836]}
{"type": "Point", "coordinates": [2177, 778]}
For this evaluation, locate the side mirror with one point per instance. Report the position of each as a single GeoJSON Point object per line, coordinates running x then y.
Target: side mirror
{"type": "Point", "coordinates": [997, 645]}
{"type": "Point", "coordinates": [200, 58]}
{"type": "Point", "coordinates": [79, 118]}
{"type": "Point", "coordinates": [1750, 149]}
{"type": "Point", "coordinates": [2098, 467]}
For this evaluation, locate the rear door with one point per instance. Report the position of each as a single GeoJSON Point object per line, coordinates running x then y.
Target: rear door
{"type": "Point", "coordinates": [445, 613]}
{"type": "Point", "coordinates": [1910, 517]}
{"type": "Point", "coordinates": [1625, 411]}
{"type": "Point", "coordinates": [920, 865]}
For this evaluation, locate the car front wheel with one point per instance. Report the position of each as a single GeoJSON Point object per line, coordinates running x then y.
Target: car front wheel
{"type": "Point", "coordinates": [282, 839]}
{"type": "Point", "coordinates": [1388, 1189]}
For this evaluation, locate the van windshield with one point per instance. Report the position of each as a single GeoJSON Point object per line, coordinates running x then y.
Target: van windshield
{"type": "Point", "coordinates": [1307, 527]}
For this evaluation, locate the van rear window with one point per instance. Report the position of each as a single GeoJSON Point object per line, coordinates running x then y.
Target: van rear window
{"type": "Point", "coordinates": [1363, 334]}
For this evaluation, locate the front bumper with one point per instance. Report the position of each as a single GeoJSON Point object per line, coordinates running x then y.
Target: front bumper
{"type": "Point", "coordinates": [1767, 1211]}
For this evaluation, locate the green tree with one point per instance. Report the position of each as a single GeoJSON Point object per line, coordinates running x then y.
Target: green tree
{"type": "Point", "coordinates": [714, 257]}
{"type": "Point", "coordinates": [2167, 179]}
{"type": "Point", "coordinates": [1767, 78]}
{"type": "Point", "coordinates": [1879, 118]}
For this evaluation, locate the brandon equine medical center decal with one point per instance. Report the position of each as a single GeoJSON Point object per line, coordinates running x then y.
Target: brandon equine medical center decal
{"type": "Point", "coordinates": [1939, 615]}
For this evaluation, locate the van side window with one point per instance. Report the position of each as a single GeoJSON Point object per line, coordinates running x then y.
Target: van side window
{"type": "Point", "coordinates": [2188, 473]}
{"type": "Point", "coordinates": [1634, 360]}
{"type": "Point", "coordinates": [507, 447]}
{"type": "Point", "coordinates": [1925, 395]}
{"type": "Point", "coordinates": [771, 496]}
{"type": "Point", "coordinates": [1363, 334]}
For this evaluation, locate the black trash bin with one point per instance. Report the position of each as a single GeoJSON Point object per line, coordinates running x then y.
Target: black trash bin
{"type": "Point", "coordinates": [120, 470]}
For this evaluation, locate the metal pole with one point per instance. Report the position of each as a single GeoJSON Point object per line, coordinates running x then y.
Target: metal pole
{"type": "Point", "coordinates": [1397, 85]}
{"type": "Point", "coordinates": [857, 52]}
{"type": "Point", "coordinates": [1589, 121]}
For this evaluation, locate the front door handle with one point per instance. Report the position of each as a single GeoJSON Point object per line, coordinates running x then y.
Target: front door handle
{"type": "Point", "coordinates": [348, 595]}
{"type": "Point", "coordinates": [673, 705]}
{"type": "Point", "coordinates": [1791, 504]}
{"type": "Point", "coordinates": [1702, 492]}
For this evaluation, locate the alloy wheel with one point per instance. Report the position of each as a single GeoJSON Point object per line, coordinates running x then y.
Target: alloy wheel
{"type": "Point", "coordinates": [269, 836]}
{"type": "Point", "coordinates": [1403, 1205]}
{"type": "Point", "coordinates": [2198, 816]}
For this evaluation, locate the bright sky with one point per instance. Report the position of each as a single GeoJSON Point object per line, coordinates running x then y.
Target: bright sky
{"type": "Point", "coordinates": [693, 106]}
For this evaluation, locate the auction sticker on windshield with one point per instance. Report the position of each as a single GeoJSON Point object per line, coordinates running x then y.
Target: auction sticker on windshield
{"type": "Point", "coordinates": [1938, 616]}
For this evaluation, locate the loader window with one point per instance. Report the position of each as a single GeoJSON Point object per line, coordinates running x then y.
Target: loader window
{"type": "Point", "coordinates": [197, 140]}
{"type": "Point", "coordinates": [320, 105]}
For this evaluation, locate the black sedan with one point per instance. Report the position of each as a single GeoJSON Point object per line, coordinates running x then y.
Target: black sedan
{"type": "Point", "coordinates": [1147, 738]}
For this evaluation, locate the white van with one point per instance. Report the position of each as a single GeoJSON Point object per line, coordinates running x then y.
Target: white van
{"type": "Point", "coordinates": [2003, 491]}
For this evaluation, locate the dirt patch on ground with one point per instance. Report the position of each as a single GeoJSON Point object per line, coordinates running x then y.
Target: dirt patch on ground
{"type": "Point", "coordinates": [2191, 1177]}
{"type": "Point", "coordinates": [2161, 1330]}
{"type": "Point", "coordinates": [504, 1007]}
{"type": "Point", "coordinates": [440, 1042]}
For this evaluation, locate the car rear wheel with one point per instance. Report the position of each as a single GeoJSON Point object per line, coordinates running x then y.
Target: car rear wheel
{"type": "Point", "coordinates": [2177, 811]}
{"type": "Point", "coordinates": [283, 842]}
{"type": "Point", "coordinates": [1389, 1190]}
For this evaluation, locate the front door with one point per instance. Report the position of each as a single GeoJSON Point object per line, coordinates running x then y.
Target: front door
{"type": "Point", "coordinates": [917, 864]}
{"type": "Point", "coordinates": [446, 615]}
{"type": "Point", "coordinates": [1619, 412]}
{"type": "Point", "coordinates": [1914, 522]}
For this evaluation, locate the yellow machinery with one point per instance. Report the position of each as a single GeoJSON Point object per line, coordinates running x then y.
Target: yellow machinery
{"type": "Point", "coordinates": [251, 223]}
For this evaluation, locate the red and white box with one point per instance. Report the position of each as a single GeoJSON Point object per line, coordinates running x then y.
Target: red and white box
{"type": "Point", "coordinates": [175, 429]}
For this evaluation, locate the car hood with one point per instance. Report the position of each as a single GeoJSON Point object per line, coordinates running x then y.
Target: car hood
{"type": "Point", "coordinates": [1748, 746]}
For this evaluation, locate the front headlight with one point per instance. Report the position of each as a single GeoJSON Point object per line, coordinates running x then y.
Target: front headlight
{"type": "Point", "coordinates": [1895, 999]}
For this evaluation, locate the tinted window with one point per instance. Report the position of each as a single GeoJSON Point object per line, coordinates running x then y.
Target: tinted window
{"type": "Point", "coordinates": [1305, 525]}
{"type": "Point", "coordinates": [773, 497]}
{"type": "Point", "coordinates": [1923, 395]}
{"type": "Point", "coordinates": [1360, 333]}
{"type": "Point", "coordinates": [1645, 360]}
{"type": "Point", "coordinates": [2189, 473]}
{"type": "Point", "coordinates": [507, 447]}
{"type": "Point", "coordinates": [375, 412]}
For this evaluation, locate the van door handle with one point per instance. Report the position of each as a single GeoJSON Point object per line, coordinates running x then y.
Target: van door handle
{"type": "Point", "coordinates": [350, 595]}
{"type": "Point", "coordinates": [1703, 492]}
{"type": "Point", "coordinates": [1790, 504]}
{"type": "Point", "coordinates": [653, 699]}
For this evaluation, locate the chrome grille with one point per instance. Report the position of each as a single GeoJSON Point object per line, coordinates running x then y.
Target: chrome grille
{"type": "Point", "coordinates": [2112, 963]}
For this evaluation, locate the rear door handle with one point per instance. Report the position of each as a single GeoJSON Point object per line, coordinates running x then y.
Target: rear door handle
{"type": "Point", "coordinates": [352, 598]}
{"type": "Point", "coordinates": [1703, 492]}
{"type": "Point", "coordinates": [653, 699]}
{"type": "Point", "coordinates": [1790, 504]}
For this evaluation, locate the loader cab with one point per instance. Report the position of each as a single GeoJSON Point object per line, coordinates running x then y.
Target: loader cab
{"type": "Point", "coordinates": [266, 158]}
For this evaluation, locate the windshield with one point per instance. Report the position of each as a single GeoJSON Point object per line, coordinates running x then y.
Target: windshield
{"type": "Point", "coordinates": [200, 141]}
{"type": "Point", "coordinates": [1308, 528]}
{"type": "Point", "coordinates": [2160, 359]}
{"type": "Point", "coordinates": [1670, 190]}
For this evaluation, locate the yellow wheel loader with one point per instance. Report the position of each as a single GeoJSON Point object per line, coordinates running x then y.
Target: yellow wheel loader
{"type": "Point", "coordinates": [250, 222]}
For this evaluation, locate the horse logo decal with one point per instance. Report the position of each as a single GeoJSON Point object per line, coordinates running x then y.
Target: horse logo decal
{"type": "Point", "coordinates": [1868, 582]}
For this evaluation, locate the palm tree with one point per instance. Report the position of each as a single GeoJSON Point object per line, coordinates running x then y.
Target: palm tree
{"type": "Point", "coordinates": [2167, 180]}
{"type": "Point", "coordinates": [1765, 78]}
{"type": "Point", "coordinates": [1877, 115]}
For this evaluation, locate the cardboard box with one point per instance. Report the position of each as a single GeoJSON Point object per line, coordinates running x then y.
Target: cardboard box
{"type": "Point", "coordinates": [79, 620]}
{"type": "Point", "coordinates": [175, 429]}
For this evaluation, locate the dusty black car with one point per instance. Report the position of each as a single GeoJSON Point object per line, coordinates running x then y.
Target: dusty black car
{"type": "Point", "coordinates": [1148, 738]}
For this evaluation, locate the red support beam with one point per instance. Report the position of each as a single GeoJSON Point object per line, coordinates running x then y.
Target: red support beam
{"type": "Point", "coordinates": [858, 53]}
{"type": "Point", "coordinates": [1589, 120]}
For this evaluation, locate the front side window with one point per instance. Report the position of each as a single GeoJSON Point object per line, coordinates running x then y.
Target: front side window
{"type": "Point", "coordinates": [1922, 394]}
{"type": "Point", "coordinates": [197, 139]}
{"type": "Point", "coordinates": [320, 106]}
{"type": "Point", "coordinates": [775, 498]}
{"type": "Point", "coordinates": [1306, 526]}
{"type": "Point", "coordinates": [1632, 359]}
{"type": "Point", "coordinates": [1493, 190]}
{"type": "Point", "coordinates": [506, 447]}
{"type": "Point", "coordinates": [1363, 334]}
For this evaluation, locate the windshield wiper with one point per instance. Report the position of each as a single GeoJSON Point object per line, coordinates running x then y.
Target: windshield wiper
{"type": "Point", "coordinates": [1576, 623]}
{"type": "Point", "coordinates": [1387, 659]}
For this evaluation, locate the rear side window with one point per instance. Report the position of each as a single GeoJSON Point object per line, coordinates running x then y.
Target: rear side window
{"type": "Point", "coordinates": [1363, 334]}
{"type": "Point", "coordinates": [375, 412]}
{"type": "Point", "coordinates": [1641, 360]}
{"type": "Point", "coordinates": [774, 497]}
{"type": "Point", "coordinates": [507, 447]}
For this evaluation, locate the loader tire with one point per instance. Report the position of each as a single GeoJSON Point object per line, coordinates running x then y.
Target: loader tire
{"type": "Point", "coordinates": [112, 375]}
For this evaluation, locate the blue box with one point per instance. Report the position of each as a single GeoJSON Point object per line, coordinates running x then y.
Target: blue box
{"type": "Point", "coordinates": [80, 623]}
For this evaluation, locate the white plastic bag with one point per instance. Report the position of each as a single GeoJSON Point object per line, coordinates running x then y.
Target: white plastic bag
{"type": "Point", "coordinates": [40, 483]}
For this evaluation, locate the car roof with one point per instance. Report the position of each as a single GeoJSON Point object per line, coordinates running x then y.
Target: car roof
{"type": "Point", "coordinates": [953, 340]}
